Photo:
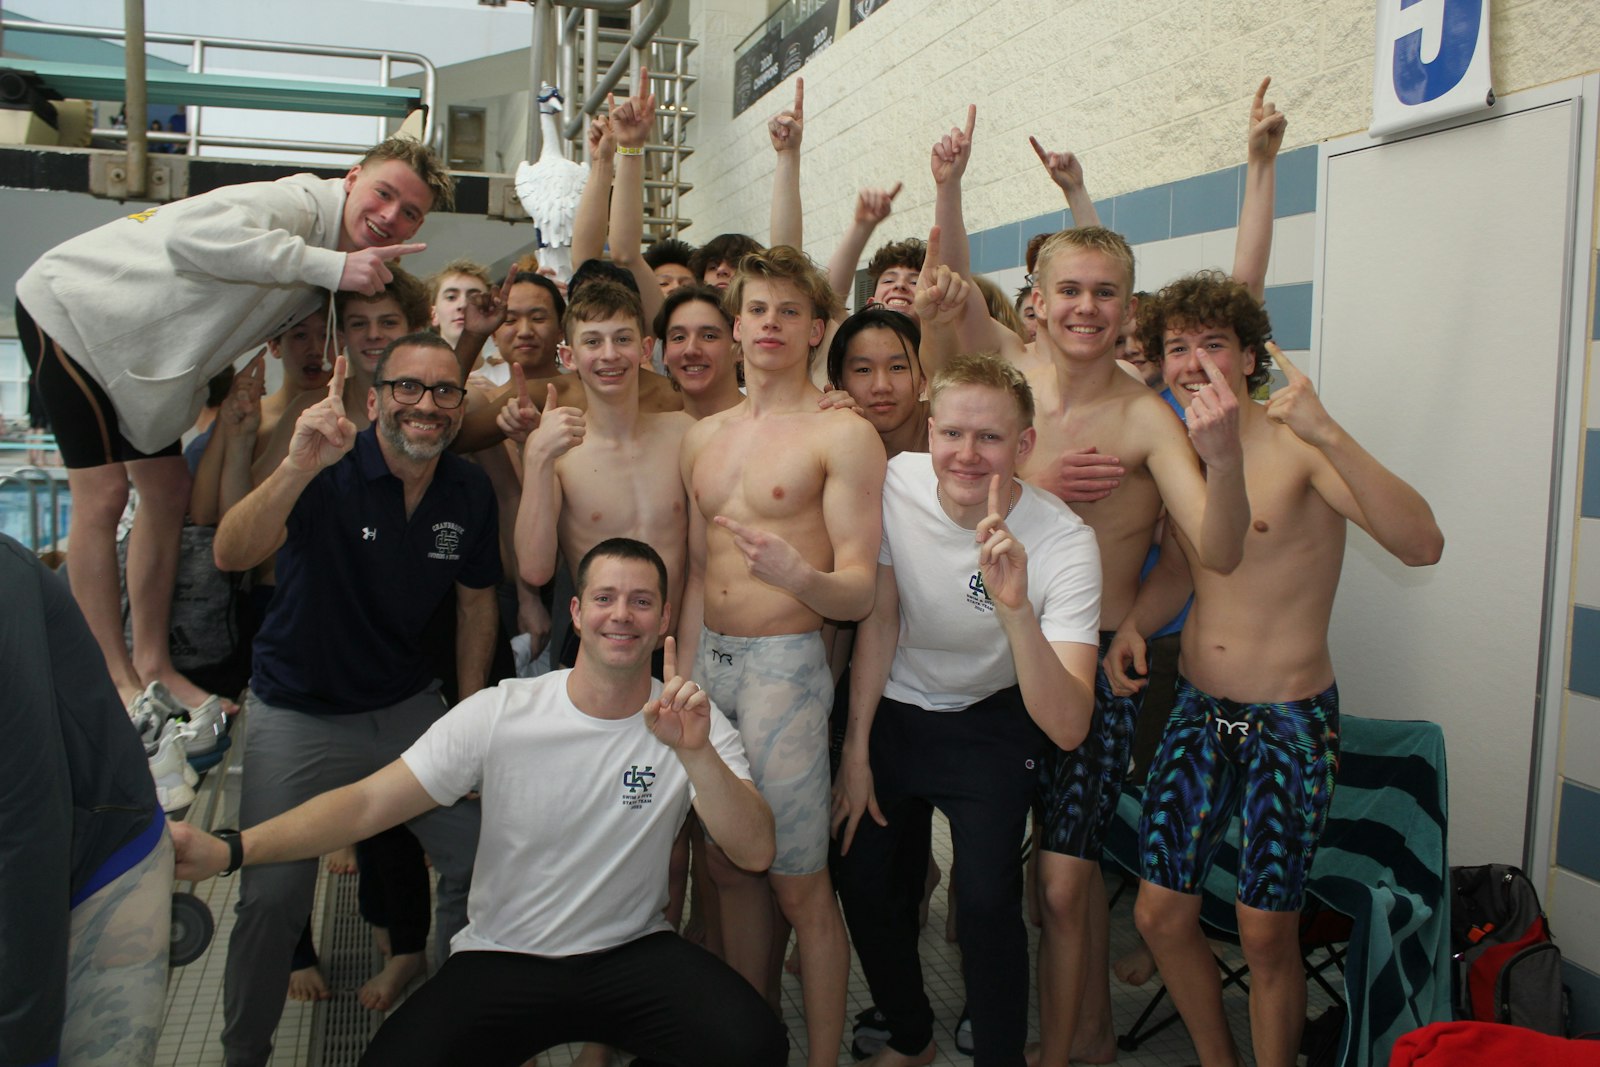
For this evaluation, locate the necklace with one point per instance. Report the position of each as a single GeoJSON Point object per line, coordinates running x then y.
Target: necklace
{"type": "Point", "coordinates": [1011, 494]}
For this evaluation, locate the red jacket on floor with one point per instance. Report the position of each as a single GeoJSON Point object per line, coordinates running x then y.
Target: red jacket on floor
{"type": "Point", "coordinates": [1467, 1044]}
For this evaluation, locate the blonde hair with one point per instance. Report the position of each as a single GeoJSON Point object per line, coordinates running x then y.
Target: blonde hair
{"type": "Point", "coordinates": [470, 268]}
{"type": "Point", "coordinates": [1000, 306]}
{"type": "Point", "coordinates": [989, 370]}
{"type": "Point", "coordinates": [783, 263]}
{"type": "Point", "coordinates": [1085, 239]}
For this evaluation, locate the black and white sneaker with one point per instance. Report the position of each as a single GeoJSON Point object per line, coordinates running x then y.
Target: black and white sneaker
{"type": "Point", "coordinates": [964, 1043]}
{"type": "Point", "coordinates": [870, 1033]}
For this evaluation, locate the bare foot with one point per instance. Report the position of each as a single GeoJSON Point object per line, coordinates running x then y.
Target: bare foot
{"type": "Point", "coordinates": [1135, 967]}
{"type": "Point", "coordinates": [593, 1056]}
{"type": "Point", "coordinates": [888, 1057]}
{"type": "Point", "coordinates": [380, 938]}
{"type": "Point", "coordinates": [928, 886]}
{"type": "Point", "coordinates": [792, 964]}
{"type": "Point", "coordinates": [342, 861]}
{"type": "Point", "coordinates": [1094, 1048]}
{"type": "Point", "coordinates": [307, 984]}
{"type": "Point", "coordinates": [383, 989]}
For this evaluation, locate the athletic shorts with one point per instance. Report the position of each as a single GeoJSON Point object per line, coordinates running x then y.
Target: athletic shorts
{"type": "Point", "coordinates": [81, 414]}
{"type": "Point", "coordinates": [1079, 790]}
{"type": "Point", "coordinates": [777, 691]}
{"type": "Point", "coordinates": [1273, 764]}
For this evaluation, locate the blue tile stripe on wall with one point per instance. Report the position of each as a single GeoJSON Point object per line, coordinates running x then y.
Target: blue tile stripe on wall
{"type": "Point", "coordinates": [1289, 308]}
{"type": "Point", "coordinates": [1577, 845]}
{"type": "Point", "coordinates": [1591, 474]}
{"type": "Point", "coordinates": [1201, 204]}
{"type": "Point", "coordinates": [1584, 674]}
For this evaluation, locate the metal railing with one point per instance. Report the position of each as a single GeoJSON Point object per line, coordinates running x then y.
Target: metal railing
{"type": "Point", "coordinates": [579, 41]}
{"type": "Point", "coordinates": [201, 49]}
{"type": "Point", "coordinates": [31, 478]}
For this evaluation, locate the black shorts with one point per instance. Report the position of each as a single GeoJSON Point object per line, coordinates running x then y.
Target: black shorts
{"type": "Point", "coordinates": [81, 414]}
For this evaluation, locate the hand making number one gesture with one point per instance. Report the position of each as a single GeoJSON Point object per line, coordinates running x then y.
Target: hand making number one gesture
{"type": "Point", "coordinates": [1297, 405]}
{"type": "Point", "coordinates": [1002, 560]}
{"type": "Point", "coordinates": [1213, 420]}
{"type": "Point", "coordinates": [941, 295]}
{"type": "Point", "coordinates": [322, 435]}
{"type": "Point", "coordinates": [786, 127]}
{"type": "Point", "coordinates": [680, 717]}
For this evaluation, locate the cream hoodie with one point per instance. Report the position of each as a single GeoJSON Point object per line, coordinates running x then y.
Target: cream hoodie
{"type": "Point", "coordinates": [154, 304]}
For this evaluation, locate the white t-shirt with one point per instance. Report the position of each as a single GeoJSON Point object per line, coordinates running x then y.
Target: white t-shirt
{"type": "Point", "coordinates": [952, 652]}
{"type": "Point", "coordinates": [579, 815]}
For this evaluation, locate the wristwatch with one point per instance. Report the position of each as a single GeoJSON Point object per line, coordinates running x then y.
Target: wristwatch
{"type": "Point", "coordinates": [235, 850]}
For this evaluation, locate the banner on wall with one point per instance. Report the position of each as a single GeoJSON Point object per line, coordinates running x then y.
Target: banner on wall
{"type": "Point", "coordinates": [810, 38]}
{"type": "Point", "coordinates": [1432, 63]}
{"type": "Point", "coordinates": [860, 9]}
{"type": "Point", "coordinates": [757, 70]}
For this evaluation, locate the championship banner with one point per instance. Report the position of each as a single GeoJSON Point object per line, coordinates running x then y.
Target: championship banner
{"type": "Point", "coordinates": [1432, 63]}
{"type": "Point", "coordinates": [756, 70]}
{"type": "Point", "coordinates": [810, 37]}
{"type": "Point", "coordinates": [860, 9]}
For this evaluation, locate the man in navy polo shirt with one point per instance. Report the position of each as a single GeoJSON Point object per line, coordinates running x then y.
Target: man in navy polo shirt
{"type": "Point", "coordinates": [372, 530]}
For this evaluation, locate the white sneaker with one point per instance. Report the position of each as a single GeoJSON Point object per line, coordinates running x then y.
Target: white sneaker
{"type": "Point", "coordinates": [205, 728]}
{"type": "Point", "coordinates": [169, 767]}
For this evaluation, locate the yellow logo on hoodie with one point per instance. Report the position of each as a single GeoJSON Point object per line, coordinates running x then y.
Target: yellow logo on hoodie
{"type": "Point", "coordinates": [143, 216]}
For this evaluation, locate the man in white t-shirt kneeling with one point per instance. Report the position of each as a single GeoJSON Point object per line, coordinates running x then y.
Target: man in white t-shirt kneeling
{"type": "Point", "coordinates": [586, 776]}
{"type": "Point", "coordinates": [981, 645]}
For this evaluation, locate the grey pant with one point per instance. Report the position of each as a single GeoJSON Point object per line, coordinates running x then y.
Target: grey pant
{"type": "Point", "coordinates": [289, 758]}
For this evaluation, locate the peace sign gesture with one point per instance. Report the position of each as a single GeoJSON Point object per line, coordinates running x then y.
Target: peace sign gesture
{"type": "Point", "coordinates": [786, 127]}
{"type": "Point", "coordinates": [484, 313]}
{"type": "Point", "coordinates": [1297, 405]}
{"type": "Point", "coordinates": [1002, 560]}
{"type": "Point", "coordinates": [322, 434]}
{"type": "Point", "coordinates": [680, 717]}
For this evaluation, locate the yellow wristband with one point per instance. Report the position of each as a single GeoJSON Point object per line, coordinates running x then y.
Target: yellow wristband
{"type": "Point", "coordinates": [621, 151]}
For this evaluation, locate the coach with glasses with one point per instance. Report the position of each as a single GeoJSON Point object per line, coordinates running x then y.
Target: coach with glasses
{"type": "Point", "coordinates": [372, 530]}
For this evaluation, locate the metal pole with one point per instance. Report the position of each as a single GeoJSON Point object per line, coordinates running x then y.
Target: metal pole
{"type": "Point", "coordinates": [134, 107]}
{"type": "Point", "coordinates": [535, 75]}
{"type": "Point", "coordinates": [385, 71]}
{"type": "Point", "coordinates": [197, 64]}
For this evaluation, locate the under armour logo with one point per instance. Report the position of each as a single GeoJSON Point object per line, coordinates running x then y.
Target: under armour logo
{"type": "Point", "coordinates": [1240, 726]}
{"type": "Point", "coordinates": [635, 780]}
{"type": "Point", "coordinates": [722, 657]}
{"type": "Point", "coordinates": [369, 533]}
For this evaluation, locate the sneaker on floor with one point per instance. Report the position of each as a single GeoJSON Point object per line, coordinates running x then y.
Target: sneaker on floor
{"type": "Point", "coordinates": [964, 1043]}
{"type": "Point", "coordinates": [205, 728]}
{"type": "Point", "coordinates": [870, 1033]}
{"type": "Point", "coordinates": [169, 767]}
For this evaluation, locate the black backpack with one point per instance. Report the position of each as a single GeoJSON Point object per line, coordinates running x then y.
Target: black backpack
{"type": "Point", "coordinates": [1507, 969]}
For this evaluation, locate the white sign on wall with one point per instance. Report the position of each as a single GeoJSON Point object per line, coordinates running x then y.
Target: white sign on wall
{"type": "Point", "coordinates": [1432, 62]}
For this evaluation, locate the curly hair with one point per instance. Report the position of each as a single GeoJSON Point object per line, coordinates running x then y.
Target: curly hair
{"type": "Point", "coordinates": [421, 159]}
{"type": "Point", "coordinates": [724, 248]}
{"type": "Point", "coordinates": [1208, 298]}
{"type": "Point", "coordinates": [908, 254]}
{"type": "Point", "coordinates": [669, 250]}
{"type": "Point", "coordinates": [783, 263]}
{"type": "Point", "coordinates": [405, 290]}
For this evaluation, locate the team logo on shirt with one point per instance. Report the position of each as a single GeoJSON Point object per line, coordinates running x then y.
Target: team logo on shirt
{"type": "Point", "coordinates": [636, 783]}
{"type": "Point", "coordinates": [369, 533]}
{"type": "Point", "coordinates": [446, 541]}
{"type": "Point", "coordinates": [977, 595]}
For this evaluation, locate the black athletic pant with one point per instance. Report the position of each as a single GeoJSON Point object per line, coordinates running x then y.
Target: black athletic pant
{"type": "Point", "coordinates": [979, 767]}
{"type": "Point", "coordinates": [660, 998]}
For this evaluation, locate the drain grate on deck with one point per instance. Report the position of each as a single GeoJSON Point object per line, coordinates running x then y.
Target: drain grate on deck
{"type": "Point", "coordinates": [340, 1027]}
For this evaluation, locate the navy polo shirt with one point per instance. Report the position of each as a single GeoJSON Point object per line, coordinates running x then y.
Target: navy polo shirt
{"type": "Point", "coordinates": [358, 581]}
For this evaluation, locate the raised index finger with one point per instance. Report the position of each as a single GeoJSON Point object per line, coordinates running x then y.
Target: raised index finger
{"type": "Point", "coordinates": [520, 376]}
{"type": "Point", "coordinates": [669, 659]}
{"type": "Point", "coordinates": [799, 97]}
{"type": "Point", "coordinates": [1261, 97]}
{"type": "Point", "coordinates": [896, 190]}
{"type": "Point", "coordinates": [930, 258]}
{"type": "Point", "coordinates": [972, 119]}
{"type": "Point", "coordinates": [1038, 150]}
{"type": "Point", "coordinates": [996, 502]}
{"type": "Point", "coordinates": [396, 251]}
{"type": "Point", "coordinates": [336, 383]}
{"type": "Point", "coordinates": [1212, 372]}
{"type": "Point", "coordinates": [1290, 371]}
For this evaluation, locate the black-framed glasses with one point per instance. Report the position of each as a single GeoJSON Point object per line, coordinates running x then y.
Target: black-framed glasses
{"type": "Point", "coordinates": [409, 391]}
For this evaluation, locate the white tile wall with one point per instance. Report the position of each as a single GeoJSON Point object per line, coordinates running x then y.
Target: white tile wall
{"type": "Point", "coordinates": [1580, 743]}
{"type": "Point", "coordinates": [1573, 905]}
{"type": "Point", "coordinates": [1586, 574]}
{"type": "Point", "coordinates": [1294, 242]}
